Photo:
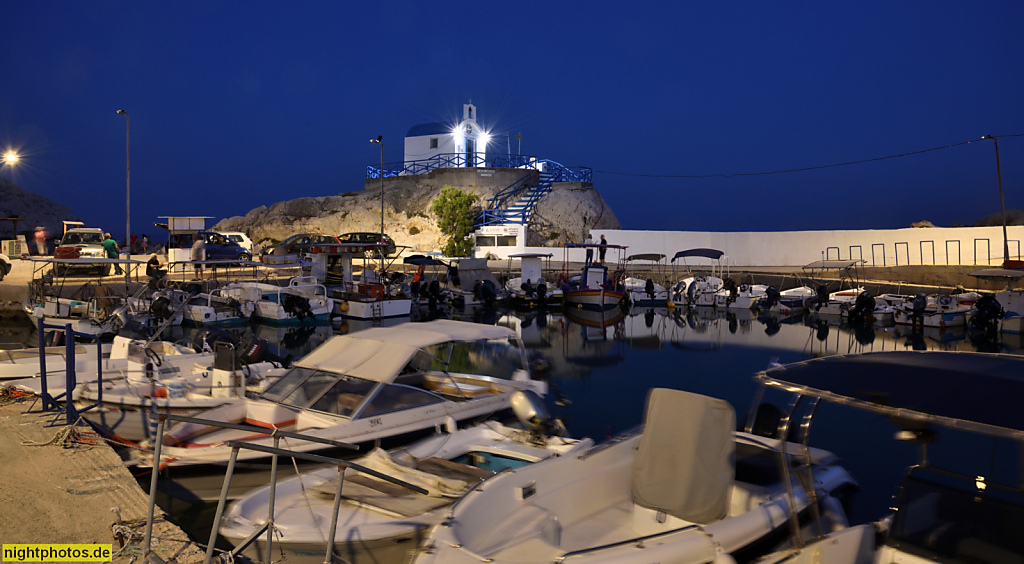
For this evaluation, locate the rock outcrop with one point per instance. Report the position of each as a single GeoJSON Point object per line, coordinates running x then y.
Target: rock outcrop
{"type": "Point", "coordinates": [35, 209]}
{"type": "Point", "coordinates": [563, 215]}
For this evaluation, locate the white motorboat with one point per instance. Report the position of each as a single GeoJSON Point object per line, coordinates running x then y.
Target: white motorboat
{"type": "Point", "coordinates": [787, 303]}
{"type": "Point", "coordinates": [742, 297]}
{"type": "Point", "coordinates": [379, 521]}
{"type": "Point", "coordinates": [687, 489]}
{"type": "Point", "coordinates": [374, 384]}
{"type": "Point", "coordinates": [941, 514]}
{"type": "Point", "coordinates": [699, 290]}
{"type": "Point", "coordinates": [530, 290]}
{"type": "Point", "coordinates": [1010, 300]}
{"type": "Point", "coordinates": [645, 292]}
{"type": "Point", "coordinates": [473, 284]}
{"type": "Point", "coordinates": [932, 311]}
{"type": "Point", "coordinates": [303, 300]}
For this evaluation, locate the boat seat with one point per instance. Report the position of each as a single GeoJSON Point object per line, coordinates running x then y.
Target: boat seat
{"type": "Point", "coordinates": [684, 462]}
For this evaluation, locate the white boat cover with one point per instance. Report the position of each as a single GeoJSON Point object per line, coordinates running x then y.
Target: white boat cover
{"type": "Point", "coordinates": [379, 354]}
{"type": "Point", "coordinates": [684, 463]}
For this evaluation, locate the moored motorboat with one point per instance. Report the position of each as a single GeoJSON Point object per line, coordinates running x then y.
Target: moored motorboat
{"type": "Point", "coordinates": [530, 290]}
{"type": "Point", "coordinates": [303, 300]}
{"type": "Point", "coordinates": [699, 290]}
{"type": "Point", "coordinates": [374, 384]}
{"type": "Point", "coordinates": [379, 521]}
{"type": "Point", "coordinates": [965, 514]}
{"type": "Point", "coordinates": [686, 489]}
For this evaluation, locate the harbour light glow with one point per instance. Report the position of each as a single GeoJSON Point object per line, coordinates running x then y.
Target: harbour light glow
{"type": "Point", "coordinates": [11, 158]}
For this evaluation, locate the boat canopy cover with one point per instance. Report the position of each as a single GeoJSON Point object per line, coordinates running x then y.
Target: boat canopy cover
{"type": "Point", "coordinates": [420, 260]}
{"type": "Point", "coordinates": [998, 273]}
{"type": "Point", "coordinates": [713, 254]}
{"type": "Point", "coordinates": [472, 264]}
{"type": "Point", "coordinates": [647, 256]}
{"type": "Point", "coordinates": [684, 463]}
{"type": "Point", "coordinates": [833, 264]}
{"type": "Point", "coordinates": [531, 255]}
{"type": "Point", "coordinates": [979, 392]}
{"type": "Point", "coordinates": [379, 354]}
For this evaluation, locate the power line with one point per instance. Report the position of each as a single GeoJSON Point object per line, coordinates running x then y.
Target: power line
{"type": "Point", "coordinates": [734, 175]}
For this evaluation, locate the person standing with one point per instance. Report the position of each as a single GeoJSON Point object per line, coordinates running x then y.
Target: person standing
{"type": "Point", "coordinates": [602, 249]}
{"type": "Point", "coordinates": [41, 235]}
{"type": "Point", "coordinates": [145, 243]}
{"type": "Point", "coordinates": [198, 254]}
{"type": "Point", "coordinates": [113, 251]}
{"type": "Point", "coordinates": [590, 250]}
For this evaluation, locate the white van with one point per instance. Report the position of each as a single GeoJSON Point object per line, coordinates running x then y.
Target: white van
{"type": "Point", "coordinates": [241, 239]}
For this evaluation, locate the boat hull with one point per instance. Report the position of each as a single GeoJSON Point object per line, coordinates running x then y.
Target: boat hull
{"type": "Point", "coordinates": [594, 299]}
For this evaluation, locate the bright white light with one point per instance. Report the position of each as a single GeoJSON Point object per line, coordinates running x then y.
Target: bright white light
{"type": "Point", "coordinates": [485, 138]}
{"type": "Point", "coordinates": [457, 136]}
{"type": "Point", "coordinates": [11, 158]}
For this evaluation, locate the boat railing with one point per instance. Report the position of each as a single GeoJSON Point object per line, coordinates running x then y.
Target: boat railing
{"type": "Point", "coordinates": [49, 402]}
{"type": "Point", "coordinates": [274, 451]}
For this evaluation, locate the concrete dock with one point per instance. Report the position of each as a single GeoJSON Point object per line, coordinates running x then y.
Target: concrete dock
{"type": "Point", "coordinates": [64, 485]}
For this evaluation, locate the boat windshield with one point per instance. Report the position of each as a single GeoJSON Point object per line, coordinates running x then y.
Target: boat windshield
{"type": "Point", "coordinates": [949, 519]}
{"type": "Point", "coordinates": [322, 391]}
{"type": "Point", "coordinates": [496, 358]}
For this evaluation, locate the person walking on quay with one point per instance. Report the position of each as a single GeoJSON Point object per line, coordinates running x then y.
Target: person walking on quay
{"type": "Point", "coordinates": [602, 249]}
{"type": "Point", "coordinates": [590, 250]}
{"type": "Point", "coordinates": [113, 251]}
{"type": "Point", "coordinates": [198, 254]}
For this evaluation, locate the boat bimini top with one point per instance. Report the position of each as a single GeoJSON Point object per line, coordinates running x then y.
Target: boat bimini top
{"type": "Point", "coordinates": [713, 254]}
{"type": "Point", "coordinates": [833, 264]}
{"type": "Point", "coordinates": [976, 392]}
{"type": "Point", "coordinates": [379, 354]}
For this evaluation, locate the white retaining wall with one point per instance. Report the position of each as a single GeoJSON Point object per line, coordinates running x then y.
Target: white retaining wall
{"type": "Point", "coordinates": [881, 247]}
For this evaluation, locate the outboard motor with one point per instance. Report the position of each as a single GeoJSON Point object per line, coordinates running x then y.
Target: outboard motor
{"type": "Point", "coordinates": [160, 309]}
{"type": "Point", "coordinates": [485, 292]}
{"type": "Point", "coordinates": [771, 297]}
{"type": "Point", "coordinates": [254, 349]}
{"type": "Point", "coordinates": [649, 288]}
{"type": "Point", "coordinates": [297, 306]}
{"type": "Point", "coordinates": [530, 410]}
{"type": "Point", "coordinates": [919, 304]}
{"type": "Point", "coordinates": [822, 297]}
{"type": "Point", "coordinates": [987, 313]}
{"type": "Point", "coordinates": [527, 288]}
{"type": "Point", "coordinates": [542, 291]}
{"type": "Point", "coordinates": [414, 289]}
{"type": "Point", "coordinates": [863, 307]}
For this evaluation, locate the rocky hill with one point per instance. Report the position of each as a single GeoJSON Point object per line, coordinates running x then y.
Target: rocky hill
{"type": "Point", "coordinates": [35, 209]}
{"type": "Point", "coordinates": [564, 215]}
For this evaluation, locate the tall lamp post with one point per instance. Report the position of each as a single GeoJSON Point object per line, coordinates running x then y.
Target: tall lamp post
{"type": "Point", "coordinates": [128, 191]}
{"type": "Point", "coordinates": [1002, 206]}
{"type": "Point", "coordinates": [379, 142]}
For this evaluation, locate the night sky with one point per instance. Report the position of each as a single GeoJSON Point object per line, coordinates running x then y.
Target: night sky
{"type": "Point", "coordinates": [234, 105]}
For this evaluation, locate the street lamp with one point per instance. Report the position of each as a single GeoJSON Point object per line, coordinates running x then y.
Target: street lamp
{"type": "Point", "coordinates": [128, 191]}
{"type": "Point", "coordinates": [1002, 207]}
{"type": "Point", "coordinates": [378, 141]}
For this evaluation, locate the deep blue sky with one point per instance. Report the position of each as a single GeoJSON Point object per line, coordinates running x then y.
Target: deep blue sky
{"type": "Point", "coordinates": [239, 104]}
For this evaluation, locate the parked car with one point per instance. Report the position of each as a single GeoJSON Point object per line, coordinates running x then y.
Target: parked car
{"type": "Point", "coordinates": [219, 247]}
{"type": "Point", "coordinates": [5, 265]}
{"type": "Point", "coordinates": [367, 238]}
{"type": "Point", "coordinates": [82, 242]}
{"type": "Point", "coordinates": [241, 239]}
{"type": "Point", "coordinates": [299, 244]}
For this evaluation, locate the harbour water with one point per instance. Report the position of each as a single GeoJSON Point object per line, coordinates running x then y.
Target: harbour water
{"type": "Point", "coordinates": [603, 364]}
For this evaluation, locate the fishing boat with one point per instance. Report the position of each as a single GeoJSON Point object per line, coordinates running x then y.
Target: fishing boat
{"type": "Point", "coordinates": [379, 521]}
{"type": "Point", "coordinates": [940, 514]}
{"type": "Point", "coordinates": [374, 384]}
{"type": "Point", "coordinates": [530, 290]}
{"type": "Point", "coordinates": [687, 488]}
{"type": "Point", "coordinates": [373, 295]}
{"type": "Point", "coordinates": [594, 288]}
{"type": "Point", "coordinates": [302, 300]}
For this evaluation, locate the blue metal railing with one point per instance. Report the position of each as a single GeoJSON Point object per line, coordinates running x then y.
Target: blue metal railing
{"type": "Point", "coordinates": [452, 160]}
